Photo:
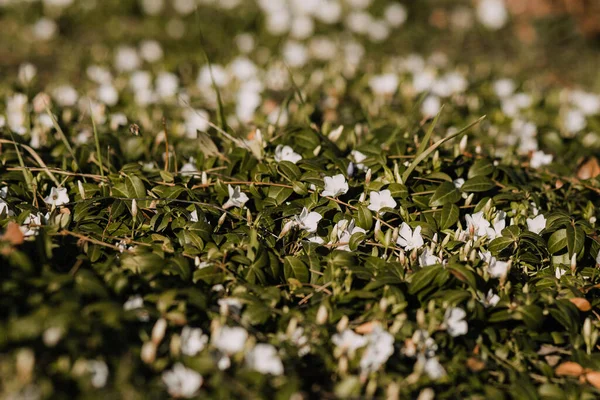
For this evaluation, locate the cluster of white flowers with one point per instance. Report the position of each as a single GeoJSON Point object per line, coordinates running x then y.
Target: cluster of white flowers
{"type": "Point", "coordinates": [378, 347]}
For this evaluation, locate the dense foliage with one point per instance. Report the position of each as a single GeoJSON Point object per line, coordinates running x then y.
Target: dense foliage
{"type": "Point", "coordinates": [334, 232]}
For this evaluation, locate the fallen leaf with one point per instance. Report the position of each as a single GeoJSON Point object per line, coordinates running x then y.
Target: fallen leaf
{"type": "Point", "coordinates": [569, 368]}
{"type": "Point", "coordinates": [593, 378]}
{"type": "Point", "coordinates": [588, 169]}
{"type": "Point", "coordinates": [581, 303]}
{"type": "Point", "coordinates": [13, 234]}
{"type": "Point", "coordinates": [475, 364]}
{"type": "Point", "coordinates": [366, 328]}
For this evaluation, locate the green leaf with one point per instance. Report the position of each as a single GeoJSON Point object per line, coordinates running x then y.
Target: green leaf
{"type": "Point", "coordinates": [449, 216]}
{"type": "Point", "coordinates": [478, 184]}
{"type": "Point", "coordinates": [446, 193]}
{"type": "Point", "coordinates": [483, 167]}
{"type": "Point", "coordinates": [293, 267]}
{"type": "Point", "coordinates": [365, 217]}
{"type": "Point", "coordinates": [289, 170]}
{"type": "Point", "coordinates": [557, 241]}
{"type": "Point", "coordinates": [500, 243]}
{"type": "Point", "coordinates": [575, 239]}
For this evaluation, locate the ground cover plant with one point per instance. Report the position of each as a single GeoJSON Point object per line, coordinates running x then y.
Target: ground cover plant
{"type": "Point", "coordinates": [293, 200]}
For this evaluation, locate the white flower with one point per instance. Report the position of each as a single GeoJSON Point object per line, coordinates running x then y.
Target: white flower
{"type": "Point", "coordinates": [573, 121]}
{"type": "Point", "coordinates": [32, 224]}
{"type": "Point", "coordinates": [358, 158]}
{"type": "Point", "coordinates": [384, 85]}
{"type": "Point", "coordinates": [492, 14]}
{"type": "Point", "coordinates": [348, 341]}
{"type": "Point", "coordinates": [381, 199]}
{"type": "Point", "coordinates": [498, 225]}
{"type": "Point", "coordinates": [458, 183]}
{"type": "Point", "coordinates": [432, 367]}
{"type": "Point", "coordinates": [4, 208]}
{"type": "Point", "coordinates": [539, 159]}
{"type": "Point", "coordinates": [431, 106]}
{"type": "Point", "coordinates": [496, 269]}
{"type": "Point", "coordinates": [315, 239]}
{"type": "Point", "coordinates": [264, 359]}
{"type": "Point", "coordinates": [537, 224]}
{"type": "Point", "coordinates": [335, 186]}
{"type": "Point", "coordinates": [491, 299]}
{"type": "Point", "coordinates": [308, 220]}
{"type": "Point", "coordinates": [57, 197]}
{"type": "Point", "coordinates": [428, 258]}
{"type": "Point", "coordinates": [192, 341]}
{"type": "Point", "coordinates": [99, 372]}
{"type": "Point", "coordinates": [380, 347]}
{"type": "Point", "coordinates": [194, 216]}
{"type": "Point", "coordinates": [345, 232]}
{"type": "Point", "coordinates": [559, 272]}
{"type": "Point", "coordinates": [229, 305]}
{"type": "Point", "coordinates": [395, 15]}
{"type": "Point", "coordinates": [182, 381]}
{"type": "Point", "coordinates": [409, 239]}
{"type": "Point", "coordinates": [477, 224]}
{"type": "Point", "coordinates": [504, 87]}
{"type": "Point", "coordinates": [133, 302]}
{"type": "Point", "coordinates": [286, 153]}
{"type": "Point", "coordinates": [230, 340]}
{"type": "Point", "coordinates": [237, 198]}
{"type": "Point", "coordinates": [454, 320]}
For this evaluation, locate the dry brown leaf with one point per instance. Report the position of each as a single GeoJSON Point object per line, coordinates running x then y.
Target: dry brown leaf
{"type": "Point", "coordinates": [569, 368]}
{"type": "Point", "coordinates": [588, 169]}
{"type": "Point", "coordinates": [13, 234]}
{"type": "Point", "coordinates": [593, 378]}
{"type": "Point", "coordinates": [475, 364]}
{"type": "Point", "coordinates": [581, 303]}
{"type": "Point", "coordinates": [366, 328]}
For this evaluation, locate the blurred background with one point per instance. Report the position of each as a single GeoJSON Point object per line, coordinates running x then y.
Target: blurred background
{"type": "Point", "coordinates": [553, 39]}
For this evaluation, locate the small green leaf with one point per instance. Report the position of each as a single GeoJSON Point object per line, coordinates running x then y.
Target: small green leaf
{"type": "Point", "coordinates": [449, 216]}
{"type": "Point", "coordinates": [478, 184]}
{"type": "Point", "coordinates": [446, 193]}
{"type": "Point", "coordinates": [365, 217]}
{"type": "Point", "coordinates": [500, 243]}
{"type": "Point", "coordinates": [295, 268]}
{"type": "Point", "coordinates": [557, 241]}
{"type": "Point", "coordinates": [575, 239]}
{"type": "Point", "coordinates": [481, 167]}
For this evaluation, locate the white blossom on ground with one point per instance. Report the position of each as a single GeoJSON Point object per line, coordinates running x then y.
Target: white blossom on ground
{"type": "Point", "coordinates": [286, 153]}
{"type": "Point", "coordinates": [57, 197]}
{"type": "Point", "coordinates": [182, 381]}
{"type": "Point", "coordinates": [230, 340]}
{"type": "Point", "coordinates": [427, 258]}
{"type": "Point", "coordinates": [99, 373]}
{"type": "Point", "coordinates": [264, 359]}
{"type": "Point", "coordinates": [348, 341]}
{"type": "Point", "coordinates": [237, 198]}
{"type": "Point", "coordinates": [381, 199]}
{"type": "Point", "coordinates": [345, 231]}
{"type": "Point", "coordinates": [455, 322]}
{"type": "Point", "coordinates": [537, 224]}
{"type": "Point", "coordinates": [193, 341]}
{"type": "Point", "coordinates": [477, 224]}
{"type": "Point", "coordinates": [334, 186]}
{"type": "Point", "coordinates": [539, 159]}
{"type": "Point", "coordinates": [409, 239]}
{"type": "Point", "coordinates": [133, 303]}
{"type": "Point", "coordinates": [490, 299]}
{"type": "Point", "coordinates": [496, 268]}
{"type": "Point", "coordinates": [308, 220]}
{"type": "Point", "coordinates": [380, 346]}
{"type": "Point", "coordinates": [31, 224]}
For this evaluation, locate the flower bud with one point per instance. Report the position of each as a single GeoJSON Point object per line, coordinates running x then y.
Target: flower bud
{"type": "Point", "coordinates": [221, 219]}
{"type": "Point", "coordinates": [158, 332]}
{"type": "Point", "coordinates": [342, 324]}
{"type": "Point", "coordinates": [134, 208]}
{"type": "Point", "coordinates": [462, 147]}
{"type": "Point", "coordinates": [322, 315]}
{"type": "Point", "coordinates": [148, 353]}
{"type": "Point", "coordinates": [81, 190]}
{"type": "Point", "coordinates": [469, 199]}
{"type": "Point", "coordinates": [368, 176]}
{"type": "Point", "coordinates": [204, 178]}
{"type": "Point", "coordinates": [574, 263]}
{"type": "Point", "coordinates": [363, 197]}
{"type": "Point", "coordinates": [395, 234]}
{"type": "Point", "coordinates": [335, 134]}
